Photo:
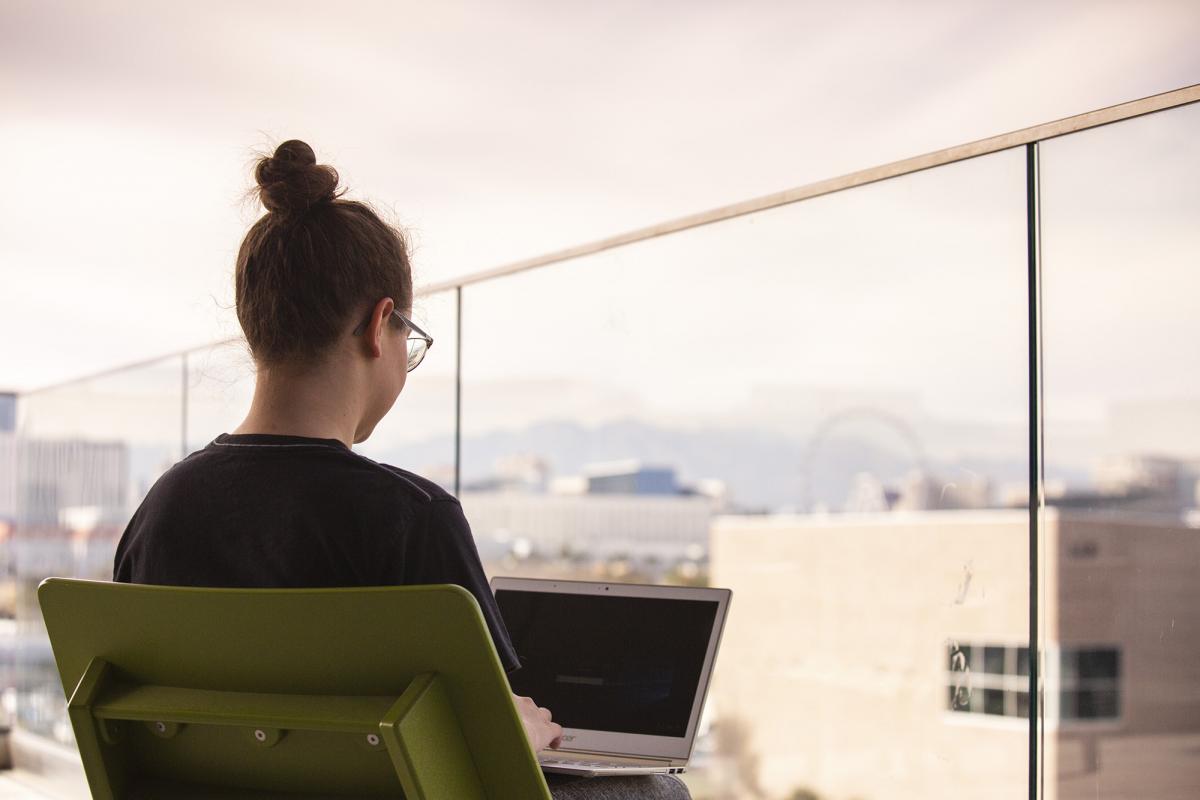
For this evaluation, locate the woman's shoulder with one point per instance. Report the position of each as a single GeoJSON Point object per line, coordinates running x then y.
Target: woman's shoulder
{"type": "Point", "coordinates": [402, 482]}
{"type": "Point", "coordinates": [431, 490]}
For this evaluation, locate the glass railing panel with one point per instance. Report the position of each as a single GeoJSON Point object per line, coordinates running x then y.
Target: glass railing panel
{"type": "Point", "coordinates": [86, 454]}
{"type": "Point", "coordinates": [1122, 432]}
{"type": "Point", "coordinates": [822, 407]}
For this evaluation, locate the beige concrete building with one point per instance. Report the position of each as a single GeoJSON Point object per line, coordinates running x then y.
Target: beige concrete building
{"type": "Point", "coordinates": [885, 655]}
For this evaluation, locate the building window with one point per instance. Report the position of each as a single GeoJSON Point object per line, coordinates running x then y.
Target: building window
{"type": "Point", "coordinates": [988, 679]}
{"type": "Point", "coordinates": [993, 680]}
{"type": "Point", "coordinates": [1088, 683]}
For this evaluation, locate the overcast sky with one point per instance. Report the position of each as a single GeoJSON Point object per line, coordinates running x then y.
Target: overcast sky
{"type": "Point", "coordinates": [493, 131]}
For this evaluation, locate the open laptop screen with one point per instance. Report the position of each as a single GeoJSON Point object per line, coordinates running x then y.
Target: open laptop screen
{"type": "Point", "coordinates": [621, 664]}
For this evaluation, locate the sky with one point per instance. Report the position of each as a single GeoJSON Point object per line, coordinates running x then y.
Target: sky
{"type": "Point", "coordinates": [492, 132]}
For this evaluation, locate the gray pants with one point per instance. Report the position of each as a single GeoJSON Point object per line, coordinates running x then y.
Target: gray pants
{"type": "Point", "coordinates": [642, 787]}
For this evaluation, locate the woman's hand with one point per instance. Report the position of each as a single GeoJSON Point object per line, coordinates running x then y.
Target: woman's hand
{"type": "Point", "coordinates": [540, 728]}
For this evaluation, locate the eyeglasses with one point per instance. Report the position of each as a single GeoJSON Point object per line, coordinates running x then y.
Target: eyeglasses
{"type": "Point", "coordinates": [418, 345]}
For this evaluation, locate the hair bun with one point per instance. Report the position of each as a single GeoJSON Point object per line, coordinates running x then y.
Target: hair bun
{"type": "Point", "coordinates": [291, 181]}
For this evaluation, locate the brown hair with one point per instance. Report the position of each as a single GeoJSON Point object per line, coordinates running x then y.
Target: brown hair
{"type": "Point", "coordinates": [314, 262]}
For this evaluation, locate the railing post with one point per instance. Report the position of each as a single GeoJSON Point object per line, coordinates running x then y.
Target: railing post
{"type": "Point", "coordinates": [1034, 278]}
{"type": "Point", "coordinates": [458, 327]}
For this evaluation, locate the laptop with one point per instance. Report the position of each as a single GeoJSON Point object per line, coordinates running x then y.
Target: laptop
{"type": "Point", "coordinates": [624, 668]}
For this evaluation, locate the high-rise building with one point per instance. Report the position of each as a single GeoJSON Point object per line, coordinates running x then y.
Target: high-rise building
{"type": "Point", "coordinates": [55, 476]}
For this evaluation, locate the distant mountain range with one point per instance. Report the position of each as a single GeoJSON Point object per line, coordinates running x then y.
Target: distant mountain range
{"type": "Point", "coordinates": [763, 470]}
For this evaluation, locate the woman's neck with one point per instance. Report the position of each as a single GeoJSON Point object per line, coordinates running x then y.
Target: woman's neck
{"type": "Point", "coordinates": [314, 402]}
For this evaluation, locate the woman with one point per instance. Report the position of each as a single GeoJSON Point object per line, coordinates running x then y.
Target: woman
{"type": "Point", "coordinates": [324, 296]}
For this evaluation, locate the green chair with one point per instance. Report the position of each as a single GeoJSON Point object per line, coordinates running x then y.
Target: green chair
{"type": "Point", "coordinates": [178, 692]}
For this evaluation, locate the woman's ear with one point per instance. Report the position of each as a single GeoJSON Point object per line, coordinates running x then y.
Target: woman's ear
{"type": "Point", "coordinates": [373, 334]}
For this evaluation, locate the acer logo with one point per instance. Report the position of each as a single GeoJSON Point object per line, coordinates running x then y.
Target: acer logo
{"type": "Point", "coordinates": [567, 738]}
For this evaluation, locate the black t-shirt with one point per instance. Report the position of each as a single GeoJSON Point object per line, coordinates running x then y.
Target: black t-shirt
{"type": "Point", "coordinates": [266, 511]}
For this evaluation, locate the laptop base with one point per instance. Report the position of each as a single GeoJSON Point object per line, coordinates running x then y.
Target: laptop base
{"type": "Point", "coordinates": [586, 768]}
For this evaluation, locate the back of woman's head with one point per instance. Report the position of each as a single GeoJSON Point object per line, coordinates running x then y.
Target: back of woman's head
{"type": "Point", "coordinates": [314, 263]}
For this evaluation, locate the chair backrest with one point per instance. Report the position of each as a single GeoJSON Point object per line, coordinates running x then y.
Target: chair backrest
{"type": "Point", "coordinates": [178, 692]}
